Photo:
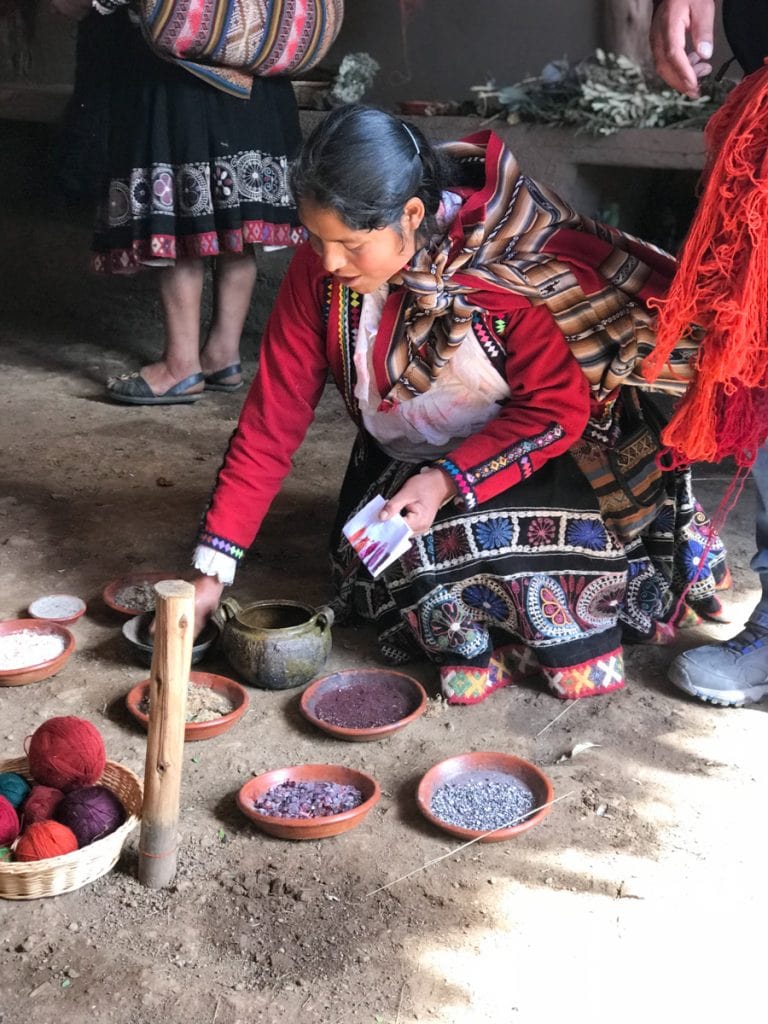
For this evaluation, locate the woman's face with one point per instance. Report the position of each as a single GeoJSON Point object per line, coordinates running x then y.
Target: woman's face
{"type": "Point", "coordinates": [362, 260]}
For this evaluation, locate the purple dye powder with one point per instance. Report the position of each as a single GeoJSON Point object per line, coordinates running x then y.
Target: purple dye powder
{"type": "Point", "coordinates": [308, 800]}
{"type": "Point", "coordinates": [365, 705]}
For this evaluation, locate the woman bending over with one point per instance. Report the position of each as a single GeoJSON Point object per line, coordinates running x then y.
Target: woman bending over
{"type": "Point", "coordinates": [487, 341]}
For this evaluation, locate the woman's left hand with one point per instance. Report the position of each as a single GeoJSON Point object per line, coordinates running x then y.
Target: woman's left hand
{"type": "Point", "coordinates": [419, 499]}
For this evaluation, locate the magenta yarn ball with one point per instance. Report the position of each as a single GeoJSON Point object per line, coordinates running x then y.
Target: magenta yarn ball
{"type": "Point", "coordinates": [91, 813]}
{"type": "Point", "coordinates": [9, 822]}
{"type": "Point", "coordinates": [40, 804]}
{"type": "Point", "coordinates": [66, 753]}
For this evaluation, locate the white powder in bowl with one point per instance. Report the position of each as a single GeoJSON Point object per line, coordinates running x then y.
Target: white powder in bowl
{"type": "Point", "coordinates": [27, 648]}
{"type": "Point", "coordinates": [57, 606]}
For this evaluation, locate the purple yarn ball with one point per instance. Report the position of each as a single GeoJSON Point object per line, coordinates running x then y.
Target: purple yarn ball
{"type": "Point", "coordinates": [91, 813]}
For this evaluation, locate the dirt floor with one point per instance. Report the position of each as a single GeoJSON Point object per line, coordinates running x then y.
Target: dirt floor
{"type": "Point", "coordinates": [639, 896]}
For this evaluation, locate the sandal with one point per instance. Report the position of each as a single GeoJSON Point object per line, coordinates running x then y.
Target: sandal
{"type": "Point", "coordinates": [214, 381]}
{"type": "Point", "coordinates": [132, 389]}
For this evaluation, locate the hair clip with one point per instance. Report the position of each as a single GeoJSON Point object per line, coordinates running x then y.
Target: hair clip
{"type": "Point", "coordinates": [412, 137]}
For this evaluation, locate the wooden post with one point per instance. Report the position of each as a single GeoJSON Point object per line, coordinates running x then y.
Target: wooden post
{"type": "Point", "coordinates": [625, 29]}
{"type": "Point", "coordinates": [171, 662]}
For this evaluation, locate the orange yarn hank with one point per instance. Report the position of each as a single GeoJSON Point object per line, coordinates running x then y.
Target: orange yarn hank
{"type": "Point", "coordinates": [722, 286]}
{"type": "Point", "coordinates": [44, 839]}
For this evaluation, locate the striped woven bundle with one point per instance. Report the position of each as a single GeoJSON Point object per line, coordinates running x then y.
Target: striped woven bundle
{"type": "Point", "coordinates": [226, 42]}
{"type": "Point", "coordinates": [516, 235]}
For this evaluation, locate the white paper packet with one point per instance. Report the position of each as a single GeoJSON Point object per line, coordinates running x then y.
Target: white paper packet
{"type": "Point", "coordinates": [377, 543]}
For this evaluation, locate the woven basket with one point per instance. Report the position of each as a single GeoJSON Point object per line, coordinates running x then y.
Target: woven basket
{"type": "Point", "coordinates": [51, 877]}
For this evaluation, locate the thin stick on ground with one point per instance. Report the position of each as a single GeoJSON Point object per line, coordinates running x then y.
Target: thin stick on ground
{"type": "Point", "coordinates": [555, 719]}
{"type": "Point", "coordinates": [453, 853]}
{"type": "Point", "coordinates": [400, 1002]}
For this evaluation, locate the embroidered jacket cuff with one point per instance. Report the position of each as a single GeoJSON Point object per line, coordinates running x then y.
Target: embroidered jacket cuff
{"type": "Point", "coordinates": [477, 480]}
{"type": "Point", "coordinates": [466, 498]}
{"type": "Point", "coordinates": [219, 543]}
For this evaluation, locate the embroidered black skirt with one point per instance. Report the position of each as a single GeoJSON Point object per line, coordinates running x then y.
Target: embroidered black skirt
{"type": "Point", "coordinates": [187, 170]}
{"type": "Point", "coordinates": [531, 581]}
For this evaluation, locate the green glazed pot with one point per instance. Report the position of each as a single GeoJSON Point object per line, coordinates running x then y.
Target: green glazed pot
{"type": "Point", "coordinates": [275, 645]}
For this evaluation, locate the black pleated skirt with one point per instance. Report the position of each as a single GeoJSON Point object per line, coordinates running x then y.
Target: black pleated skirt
{"type": "Point", "coordinates": [180, 169]}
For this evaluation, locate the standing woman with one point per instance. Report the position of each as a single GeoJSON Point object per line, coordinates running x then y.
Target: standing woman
{"type": "Point", "coordinates": [183, 171]}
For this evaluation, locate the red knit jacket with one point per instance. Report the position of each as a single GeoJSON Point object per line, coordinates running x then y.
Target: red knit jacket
{"type": "Point", "coordinates": [305, 338]}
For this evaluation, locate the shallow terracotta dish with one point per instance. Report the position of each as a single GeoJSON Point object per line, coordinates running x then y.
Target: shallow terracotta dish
{"type": "Point", "coordinates": [136, 632]}
{"type": "Point", "coordinates": [61, 608]}
{"type": "Point", "coordinates": [309, 828]}
{"type": "Point", "coordinates": [398, 681]}
{"type": "Point", "coordinates": [478, 763]}
{"type": "Point", "coordinates": [234, 692]}
{"type": "Point", "coordinates": [43, 669]}
{"type": "Point", "coordinates": [113, 588]}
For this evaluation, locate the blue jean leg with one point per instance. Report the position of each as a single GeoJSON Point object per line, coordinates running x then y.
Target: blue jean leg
{"type": "Point", "coordinates": [760, 562]}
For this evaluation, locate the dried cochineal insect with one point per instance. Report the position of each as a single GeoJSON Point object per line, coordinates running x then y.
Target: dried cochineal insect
{"type": "Point", "coordinates": [308, 800]}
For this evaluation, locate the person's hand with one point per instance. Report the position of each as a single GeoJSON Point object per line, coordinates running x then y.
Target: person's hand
{"type": "Point", "coordinates": [419, 499]}
{"type": "Point", "coordinates": [207, 598]}
{"type": "Point", "coordinates": [208, 592]}
{"type": "Point", "coordinates": [72, 8]}
{"type": "Point", "coordinates": [676, 24]}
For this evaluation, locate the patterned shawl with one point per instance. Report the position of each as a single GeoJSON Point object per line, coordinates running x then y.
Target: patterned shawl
{"type": "Point", "coordinates": [514, 235]}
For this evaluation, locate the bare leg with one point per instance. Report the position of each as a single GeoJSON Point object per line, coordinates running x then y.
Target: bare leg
{"type": "Point", "coordinates": [181, 290]}
{"type": "Point", "coordinates": [234, 277]}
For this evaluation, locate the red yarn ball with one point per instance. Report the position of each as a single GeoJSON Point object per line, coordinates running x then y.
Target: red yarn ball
{"type": "Point", "coordinates": [66, 753]}
{"type": "Point", "coordinates": [91, 813]}
{"type": "Point", "coordinates": [44, 839]}
{"type": "Point", "coordinates": [9, 822]}
{"type": "Point", "coordinates": [40, 804]}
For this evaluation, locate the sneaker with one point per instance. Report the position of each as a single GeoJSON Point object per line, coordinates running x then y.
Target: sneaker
{"type": "Point", "coordinates": [729, 674]}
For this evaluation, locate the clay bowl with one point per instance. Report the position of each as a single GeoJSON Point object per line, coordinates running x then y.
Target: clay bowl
{"type": "Point", "coordinates": [44, 669]}
{"type": "Point", "coordinates": [309, 828]}
{"type": "Point", "coordinates": [483, 761]}
{"type": "Point", "coordinates": [113, 588]}
{"type": "Point", "coordinates": [61, 608]}
{"type": "Point", "coordinates": [400, 683]}
{"type": "Point", "coordinates": [193, 731]}
{"type": "Point", "coordinates": [136, 632]}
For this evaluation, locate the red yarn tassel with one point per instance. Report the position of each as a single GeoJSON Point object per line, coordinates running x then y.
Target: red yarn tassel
{"type": "Point", "coordinates": [721, 285]}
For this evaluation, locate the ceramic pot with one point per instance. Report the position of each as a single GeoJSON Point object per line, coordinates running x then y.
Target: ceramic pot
{"type": "Point", "coordinates": [275, 645]}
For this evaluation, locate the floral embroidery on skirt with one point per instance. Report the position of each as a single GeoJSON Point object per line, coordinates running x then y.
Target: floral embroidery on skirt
{"type": "Point", "coordinates": [527, 582]}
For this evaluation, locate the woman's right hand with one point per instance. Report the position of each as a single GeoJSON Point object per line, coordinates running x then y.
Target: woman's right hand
{"type": "Point", "coordinates": [208, 591]}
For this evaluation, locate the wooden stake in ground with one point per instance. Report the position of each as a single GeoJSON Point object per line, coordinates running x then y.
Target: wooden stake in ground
{"type": "Point", "coordinates": [171, 662]}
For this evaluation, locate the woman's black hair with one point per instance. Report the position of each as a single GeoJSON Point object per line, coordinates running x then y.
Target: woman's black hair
{"type": "Point", "coordinates": [365, 164]}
